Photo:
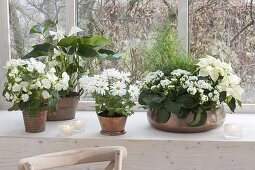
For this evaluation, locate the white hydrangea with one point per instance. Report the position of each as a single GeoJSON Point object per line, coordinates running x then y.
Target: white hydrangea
{"type": "Point", "coordinates": [45, 94]}
{"type": "Point", "coordinates": [24, 97]}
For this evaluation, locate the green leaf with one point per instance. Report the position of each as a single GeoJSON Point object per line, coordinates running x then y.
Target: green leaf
{"type": "Point", "coordinates": [223, 96]}
{"type": "Point", "coordinates": [36, 29]}
{"type": "Point", "coordinates": [173, 107]}
{"type": "Point", "coordinates": [232, 104]}
{"type": "Point", "coordinates": [200, 118]}
{"type": "Point", "coordinates": [40, 50]}
{"type": "Point", "coordinates": [86, 51]}
{"type": "Point", "coordinates": [69, 41]}
{"type": "Point", "coordinates": [239, 103]}
{"type": "Point", "coordinates": [183, 114]}
{"type": "Point", "coordinates": [109, 55]}
{"type": "Point", "coordinates": [96, 41]}
{"type": "Point", "coordinates": [188, 101]}
{"type": "Point", "coordinates": [163, 115]}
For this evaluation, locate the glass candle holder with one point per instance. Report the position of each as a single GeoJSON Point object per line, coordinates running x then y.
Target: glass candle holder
{"type": "Point", "coordinates": [65, 129]}
{"type": "Point", "coordinates": [79, 125]}
{"type": "Point", "coordinates": [232, 131]}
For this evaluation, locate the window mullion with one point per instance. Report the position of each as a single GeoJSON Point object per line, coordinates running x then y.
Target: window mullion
{"type": "Point", "coordinates": [183, 23]}
{"type": "Point", "coordinates": [4, 45]}
{"type": "Point", "coordinates": [71, 14]}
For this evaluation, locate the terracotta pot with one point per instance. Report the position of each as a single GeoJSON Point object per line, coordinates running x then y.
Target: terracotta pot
{"type": "Point", "coordinates": [66, 109]}
{"type": "Point", "coordinates": [215, 118]}
{"type": "Point", "coordinates": [112, 126]}
{"type": "Point", "coordinates": [35, 124]}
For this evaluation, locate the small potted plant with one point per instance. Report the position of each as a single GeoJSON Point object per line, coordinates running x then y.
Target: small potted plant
{"type": "Point", "coordinates": [114, 96]}
{"type": "Point", "coordinates": [69, 53]}
{"type": "Point", "coordinates": [187, 101]}
{"type": "Point", "coordinates": [33, 90]}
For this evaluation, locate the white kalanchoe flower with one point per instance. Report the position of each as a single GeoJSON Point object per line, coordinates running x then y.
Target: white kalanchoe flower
{"type": "Point", "coordinates": [24, 97]}
{"type": "Point", "coordinates": [118, 89]}
{"type": "Point", "coordinates": [45, 94]}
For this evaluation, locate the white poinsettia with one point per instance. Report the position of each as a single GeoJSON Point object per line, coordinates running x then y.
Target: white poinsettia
{"type": "Point", "coordinates": [61, 34]}
{"type": "Point", "coordinates": [210, 66]}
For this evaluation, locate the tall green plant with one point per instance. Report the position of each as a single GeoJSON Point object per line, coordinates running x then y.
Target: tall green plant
{"type": "Point", "coordinates": [165, 52]}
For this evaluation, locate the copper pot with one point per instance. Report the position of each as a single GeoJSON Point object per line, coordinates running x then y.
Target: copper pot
{"type": "Point", "coordinates": [66, 109]}
{"type": "Point", "coordinates": [35, 124]}
{"type": "Point", "coordinates": [112, 126]}
{"type": "Point", "coordinates": [215, 118]}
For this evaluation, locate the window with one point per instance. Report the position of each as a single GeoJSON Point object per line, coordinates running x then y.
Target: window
{"type": "Point", "coordinates": [209, 25]}
{"type": "Point", "coordinates": [226, 28]}
{"type": "Point", "coordinates": [26, 13]}
{"type": "Point", "coordinates": [128, 24]}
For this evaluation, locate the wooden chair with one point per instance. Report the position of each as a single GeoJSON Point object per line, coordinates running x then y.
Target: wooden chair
{"type": "Point", "coordinates": [114, 154]}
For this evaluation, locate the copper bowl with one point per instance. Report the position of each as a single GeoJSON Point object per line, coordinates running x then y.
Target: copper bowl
{"type": "Point", "coordinates": [215, 118]}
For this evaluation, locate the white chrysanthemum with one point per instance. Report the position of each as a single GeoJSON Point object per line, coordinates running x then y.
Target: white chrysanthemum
{"type": "Point", "coordinates": [134, 92]}
{"type": "Point", "coordinates": [16, 87]}
{"type": "Point", "coordinates": [102, 87]}
{"type": "Point", "coordinates": [118, 89]}
{"type": "Point", "coordinates": [45, 94]}
{"type": "Point", "coordinates": [24, 97]}
{"type": "Point", "coordinates": [46, 83]}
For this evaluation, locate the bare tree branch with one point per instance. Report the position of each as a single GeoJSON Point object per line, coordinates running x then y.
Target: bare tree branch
{"type": "Point", "coordinates": [246, 26]}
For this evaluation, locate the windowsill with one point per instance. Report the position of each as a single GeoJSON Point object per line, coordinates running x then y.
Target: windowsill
{"type": "Point", "coordinates": [11, 125]}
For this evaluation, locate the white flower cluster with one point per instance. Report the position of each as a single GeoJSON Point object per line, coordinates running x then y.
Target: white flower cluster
{"type": "Point", "coordinates": [26, 77]}
{"type": "Point", "coordinates": [214, 68]}
{"type": "Point", "coordinates": [182, 79]}
{"type": "Point", "coordinates": [111, 82]}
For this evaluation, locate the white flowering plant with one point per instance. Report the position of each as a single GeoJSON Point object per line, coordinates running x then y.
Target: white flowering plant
{"type": "Point", "coordinates": [69, 52]}
{"type": "Point", "coordinates": [182, 92]}
{"type": "Point", "coordinates": [31, 87]}
{"type": "Point", "coordinates": [113, 92]}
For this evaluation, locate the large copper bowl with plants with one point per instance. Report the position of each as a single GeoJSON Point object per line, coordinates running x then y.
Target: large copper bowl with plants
{"type": "Point", "coordinates": [215, 118]}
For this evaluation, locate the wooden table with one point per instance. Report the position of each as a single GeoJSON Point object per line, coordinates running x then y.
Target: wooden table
{"type": "Point", "coordinates": [148, 148]}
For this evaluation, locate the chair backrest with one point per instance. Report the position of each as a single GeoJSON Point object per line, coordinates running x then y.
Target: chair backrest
{"type": "Point", "coordinates": [114, 154]}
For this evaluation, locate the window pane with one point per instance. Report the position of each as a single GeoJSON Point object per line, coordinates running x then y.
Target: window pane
{"type": "Point", "coordinates": [128, 24]}
{"type": "Point", "coordinates": [225, 29]}
{"type": "Point", "coordinates": [26, 13]}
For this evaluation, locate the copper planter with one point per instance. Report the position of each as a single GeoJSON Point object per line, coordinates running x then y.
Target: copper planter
{"type": "Point", "coordinates": [215, 118]}
{"type": "Point", "coordinates": [66, 109]}
{"type": "Point", "coordinates": [35, 124]}
{"type": "Point", "coordinates": [112, 126]}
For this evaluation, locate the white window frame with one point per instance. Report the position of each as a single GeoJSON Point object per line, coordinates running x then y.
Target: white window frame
{"type": "Point", "coordinates": [71, 20]}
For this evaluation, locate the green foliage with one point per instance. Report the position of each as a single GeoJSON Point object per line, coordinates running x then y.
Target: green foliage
{"type": "Point", "coordinates": [166, 54]}
{"type": "Point", "coordinates": [70, 53]}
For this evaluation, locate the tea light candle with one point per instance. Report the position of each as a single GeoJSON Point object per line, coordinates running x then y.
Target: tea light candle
{"type": "Point", "coordinates": [232, 131]}
{"type": "Point", "coordinates": [65, 129]}
{"type": "Point", "coordinates": [79, 125]}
